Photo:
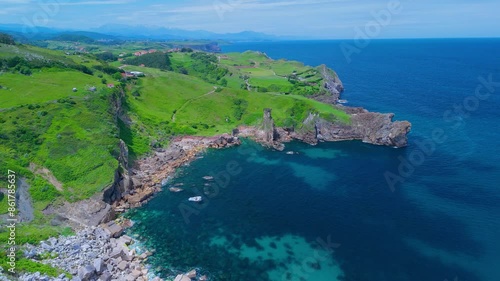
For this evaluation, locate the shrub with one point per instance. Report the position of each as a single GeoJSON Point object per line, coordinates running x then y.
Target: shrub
{"type": "Point", "coordinates": [155, 60]}
{"type": "Point", "coordinates": [42, 191]}
{"type": "Point", "coordinates": [25, 70]}
{"type": "Point", "coordinates": [240, 108]}
{"type": "Point", "coordinates": [106, 56]}
{"type": "Point", "coordinates": [7, 39]}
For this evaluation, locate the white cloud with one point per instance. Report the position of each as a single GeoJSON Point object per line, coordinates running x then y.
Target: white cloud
{"type": "Point", "coordinates": [93, 3]}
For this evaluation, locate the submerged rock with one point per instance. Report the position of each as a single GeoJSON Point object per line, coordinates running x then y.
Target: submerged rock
{"type": "Point", "coordinates": [182, 277]}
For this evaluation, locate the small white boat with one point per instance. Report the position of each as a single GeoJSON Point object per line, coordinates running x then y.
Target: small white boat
{"type": "Point", "coordinates": [208, 178]}
{"type": "Point", "coordinates": [290, 153]}
{"type": "Point", "coordinates": [195, 199]}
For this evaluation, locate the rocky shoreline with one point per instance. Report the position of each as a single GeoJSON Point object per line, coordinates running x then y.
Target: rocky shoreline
{"type": "Point", "coordinates": [99, 251]}
{"type": "Point", "coordinates": [94, 253]}
{"type": "Point", "coordinates": [148, 174]}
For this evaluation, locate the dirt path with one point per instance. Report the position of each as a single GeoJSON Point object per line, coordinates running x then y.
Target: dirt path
{"type": "Point", "coordinates": [47, 175]}
{"type": "Point", "coordinates": [189, 101]}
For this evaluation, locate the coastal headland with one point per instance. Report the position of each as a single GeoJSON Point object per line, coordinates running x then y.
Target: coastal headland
{"type": "Point", "coordinates": [112, 127]}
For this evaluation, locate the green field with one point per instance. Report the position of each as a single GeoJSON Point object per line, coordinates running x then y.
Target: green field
{"type": "Point", "coordinates": [275, 76]}
{"type": "Point", "coordinates": [43, 86]}
{"type": "Point", "coordinates": [75, 135]}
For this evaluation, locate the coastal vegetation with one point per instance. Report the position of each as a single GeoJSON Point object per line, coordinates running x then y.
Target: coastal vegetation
{"type": "Point", "coordinates": [66, 113]}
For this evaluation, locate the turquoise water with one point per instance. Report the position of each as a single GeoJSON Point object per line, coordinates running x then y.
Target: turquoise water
{"type": "Point", "coordinates": [328, 212]}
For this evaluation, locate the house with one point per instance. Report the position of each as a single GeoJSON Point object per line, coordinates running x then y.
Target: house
{"type": "Point", "coordinates": [133, 74]}
{"type": "Point", "coordinates": [111, 86]}
{"type": "Point", "coordinates": [137, 73]}
{"type": "Point", "coordinates": [140, 53]}
{"type": "Point", "coordinates": [128, 75]}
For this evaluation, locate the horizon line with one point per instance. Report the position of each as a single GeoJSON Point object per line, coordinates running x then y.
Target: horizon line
{"type": "Point", "coordinates": [290, 38]}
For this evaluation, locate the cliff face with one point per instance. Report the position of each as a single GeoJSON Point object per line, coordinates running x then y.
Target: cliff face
{"type": "Point", "coordinates": [122, 183]}
{"type": "Point", "coordinates": [267, 133]}
{"type": "Point", "coordinates": [332, 86]}
{"type": "Point", "coordinates": [370, 127]}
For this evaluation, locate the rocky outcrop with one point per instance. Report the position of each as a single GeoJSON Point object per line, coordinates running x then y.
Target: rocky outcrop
{"type": "Point", "coordinates": [90, 212]}
{"type": "Point", "coordinates": [370, 127]}
{"type": "Point", "coordinates": [94, 253]}
{"type": "Point", "coordinates": [332, 86]}
{"type": "Point", "coordinates": [267, 133]}
{"type": "Point", "coordinates": [122, 183]}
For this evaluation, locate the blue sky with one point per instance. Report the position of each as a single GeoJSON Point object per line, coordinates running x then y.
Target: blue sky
{"type": "Point", "coordinates": [312, 18]}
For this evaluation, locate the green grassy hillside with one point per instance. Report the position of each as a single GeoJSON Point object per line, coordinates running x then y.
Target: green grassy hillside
{"type": "Point", "coordinates": [75, 134]}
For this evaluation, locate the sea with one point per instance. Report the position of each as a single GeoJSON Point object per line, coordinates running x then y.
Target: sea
{"type": "Point", "coordinates": [349, 210]}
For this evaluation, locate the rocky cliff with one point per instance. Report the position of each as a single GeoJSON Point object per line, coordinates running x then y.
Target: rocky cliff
{"type": "Point", "coordinates": [332, 86]}
{"type": "Point", "coordinates": [122, 183]}
{"type": "Point", "coordinates": [148, 174]}
{"type": "Point", "coordinates": [369, 127]}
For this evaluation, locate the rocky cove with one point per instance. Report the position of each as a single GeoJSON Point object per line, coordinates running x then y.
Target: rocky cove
{"type": "Point", "coordinates": [99, 251]}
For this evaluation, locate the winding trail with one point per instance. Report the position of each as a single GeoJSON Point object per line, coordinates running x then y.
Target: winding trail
{"type": "Point", "coordinates": [189, 101]}
{"type": "Point", "coordinates": [47, 175]}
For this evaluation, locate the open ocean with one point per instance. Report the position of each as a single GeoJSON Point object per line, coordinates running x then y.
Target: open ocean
{"type": "Point", "coordinates": [328, 213]}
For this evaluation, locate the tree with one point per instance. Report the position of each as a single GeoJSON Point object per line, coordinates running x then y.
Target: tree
{"type": "Point", "coordinates": [117, 76]}
{"type": "Point", "coordinates": [155, 60]}
{"type": "Point", "coordinates": [106, 56]}
{"type": "Point", "coordinates": [223, 82]}
{"type": "Point", "coordinates": [25, 70]}
{"type": "Point", "coordinates": [7, 39]}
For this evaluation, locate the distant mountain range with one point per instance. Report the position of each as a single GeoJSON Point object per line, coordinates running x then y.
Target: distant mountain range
{"type": "Point", "coordinates": [161, 33]}
{"type": "Point", "coordinates": [128, 32]}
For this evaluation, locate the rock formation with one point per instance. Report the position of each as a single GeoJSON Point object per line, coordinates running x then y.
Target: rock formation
{"type": "Point", "coordinates": [332, 86]}
{"type": "Point", "coordinates": [122, 183]}
{"type": "Point", "coordinates": [148, 174]}
{"type": "Point", "coordinates": [370, 127]}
